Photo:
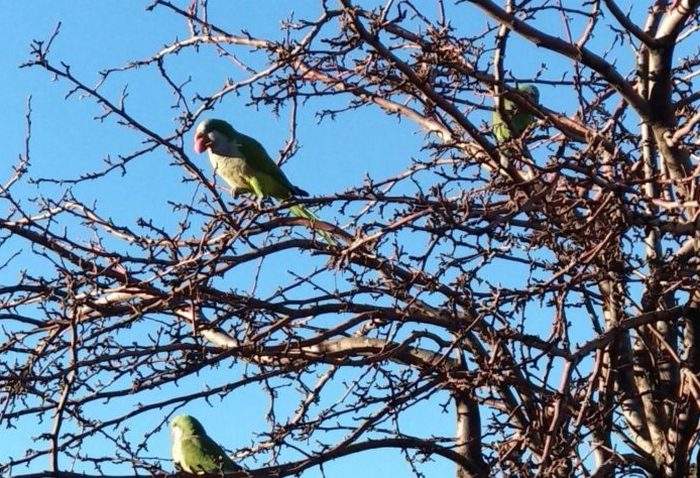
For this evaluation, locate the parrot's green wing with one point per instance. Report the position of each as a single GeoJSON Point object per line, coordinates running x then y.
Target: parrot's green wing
{"type": "Point", "coordinates": [203, 455]}
{"type": "Point", "coordinates": [519, 120]}
{"type": "Point", "coordinates": [272, 179]}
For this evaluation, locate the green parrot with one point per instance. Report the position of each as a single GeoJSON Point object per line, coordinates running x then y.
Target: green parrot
{"type": "Point", "coordinates": [519, 121]}
{"type": "Point", "coordinates": [194, 452]}
{"type": "Point", "coordinates": [246, 167]}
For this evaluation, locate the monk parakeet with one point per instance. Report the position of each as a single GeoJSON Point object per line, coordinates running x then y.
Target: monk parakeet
{"type": "Point", "coordinates": [194, 452]}
{"type": "Point", "coordinates": [519, 121]}
{"type": "Point", "coordinates": [246, 167]}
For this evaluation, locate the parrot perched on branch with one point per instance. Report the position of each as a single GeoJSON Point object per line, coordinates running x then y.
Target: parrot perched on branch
{"type": "Point", "coordinates": [246, 167]}
{"type": "Point", "coordinates": [194, 452]}
{"type": "Point", "coordinates": [518, 120]}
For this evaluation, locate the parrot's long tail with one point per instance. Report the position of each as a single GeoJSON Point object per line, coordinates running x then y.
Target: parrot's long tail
{"type": "Point", "coordinates": [298, 210]}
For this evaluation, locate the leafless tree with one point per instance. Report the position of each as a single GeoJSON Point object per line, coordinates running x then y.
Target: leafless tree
{"type": "Point", "coordinates": [584, 363]}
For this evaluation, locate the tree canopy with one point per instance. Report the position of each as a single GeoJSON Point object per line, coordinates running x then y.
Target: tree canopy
{"type": "Point", "coordinates": [537, 296]}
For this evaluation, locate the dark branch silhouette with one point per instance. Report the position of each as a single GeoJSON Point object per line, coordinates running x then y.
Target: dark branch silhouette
{"type": "Point", "coordinates": [541, 291]}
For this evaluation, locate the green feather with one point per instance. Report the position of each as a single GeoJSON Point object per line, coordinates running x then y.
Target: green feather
{"type": "Point", "coordinates": [195, 452]}
{"type": "Point", "coordinates": [247, 168]}
{"type": "Point", "coordinates": [202, 455]}
{"type": "Point", "coordinates": [298, 210]}
{"type": "Point", "coordinates": [274, 182]}
{"type": "Point", "coordinates": [519, 120]}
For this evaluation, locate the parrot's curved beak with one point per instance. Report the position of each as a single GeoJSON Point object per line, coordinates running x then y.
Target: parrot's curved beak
{"type": "Point", "coordinates": [201, 142]}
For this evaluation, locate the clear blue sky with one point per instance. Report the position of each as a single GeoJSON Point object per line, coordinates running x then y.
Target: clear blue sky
{"type": "Point", "coordinates": [67, 142]}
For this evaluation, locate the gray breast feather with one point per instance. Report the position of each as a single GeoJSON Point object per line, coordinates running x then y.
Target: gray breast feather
{"type": "Point", "coordinates": [233, 169]}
